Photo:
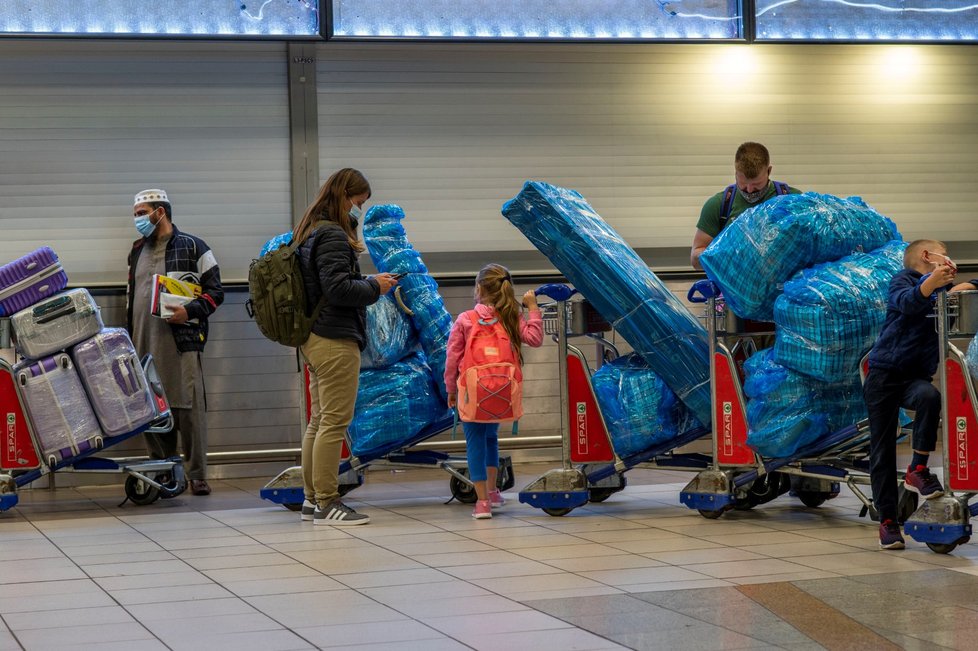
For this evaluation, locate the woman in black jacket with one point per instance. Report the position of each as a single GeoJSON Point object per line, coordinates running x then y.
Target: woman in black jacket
{"type": "Point", "coordinates": [329, 250]}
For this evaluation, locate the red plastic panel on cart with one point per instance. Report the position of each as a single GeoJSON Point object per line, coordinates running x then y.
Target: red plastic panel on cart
{"type": "Point", "coordinates": [962, 431]}
{"type": "Point", "coordinates": [18, 452]}
{"type": "Point", "coordinates": [589, 439]}
{"type": "Point", "coordinates": [729, 420]}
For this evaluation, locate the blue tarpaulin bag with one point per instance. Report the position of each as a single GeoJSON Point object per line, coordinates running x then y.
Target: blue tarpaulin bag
{"type": "Point", "coordinates": [618, 283]}
{"type": "Point", "coordinates": [390, 335]}
{"type": "Point", "coordinates": [766, 245]}
{"type": "Point", "coordinates": [639, 409]}
{"type": "Point", "coordinates": [829, 316]}
{"type": "Point", "coordinates": [391, 252]}
{"type": "Point", "coordinates": [394, 404]}
{"type": "Point", "coordinates": [787, 411]}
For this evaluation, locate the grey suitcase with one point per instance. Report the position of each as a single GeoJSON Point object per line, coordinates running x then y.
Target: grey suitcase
{"type": "Point", "coordinates": [115, 382]}
{"type": "Point", "coordinates": [56, 323]}
{"type": "Point", "coordinates": [64, 423]}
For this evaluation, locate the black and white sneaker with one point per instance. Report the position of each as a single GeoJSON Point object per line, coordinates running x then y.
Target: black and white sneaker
{"type": "Point", "coordinates": [338, 514]}
{"type": "Point", "coordinates": [308, 509]}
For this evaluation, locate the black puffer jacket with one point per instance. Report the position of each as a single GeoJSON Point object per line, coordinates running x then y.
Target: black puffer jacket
{"type": "Point", "coordinates": [330, 268]}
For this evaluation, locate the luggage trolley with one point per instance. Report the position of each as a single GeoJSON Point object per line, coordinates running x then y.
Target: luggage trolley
{"type": "Point", "coordinates": [287, 487]}
{"type": "Point", "coordinates": [599, 470]}
{"type": "Point", "coordinates": [739, 478]}
{"type": "Point", "coordinates": [943, 523]}
{"type": "Point", "coordinates": [22, 463]}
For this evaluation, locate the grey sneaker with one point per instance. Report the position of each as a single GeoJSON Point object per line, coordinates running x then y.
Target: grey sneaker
{"type": "Point", "coordinates": [308, 508]}
{"type": "Point", "coordinates": [338, 514]}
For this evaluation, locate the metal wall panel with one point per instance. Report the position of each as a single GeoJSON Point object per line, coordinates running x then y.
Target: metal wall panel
{"type": "Point", "coordinates": [646, 133]}
{"type": "Point", "coordinates": [86, 125]}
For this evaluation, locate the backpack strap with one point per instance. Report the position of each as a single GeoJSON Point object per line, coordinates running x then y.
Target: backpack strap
{"type": "Point", "coordinates": [730, 193]}
{"type": "Point", "coordinates": [726, 205]}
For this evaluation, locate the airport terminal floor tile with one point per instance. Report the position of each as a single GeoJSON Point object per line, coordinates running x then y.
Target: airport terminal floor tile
{"type": "Point", "coordinates": [638, 571]}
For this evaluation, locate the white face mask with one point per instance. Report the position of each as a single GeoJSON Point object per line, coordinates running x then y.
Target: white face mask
{"type": "Point", "coordinates": [355, 213]}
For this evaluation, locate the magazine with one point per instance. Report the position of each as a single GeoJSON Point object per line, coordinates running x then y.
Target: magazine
{"type": "Point", "coordinates": [169, 293]}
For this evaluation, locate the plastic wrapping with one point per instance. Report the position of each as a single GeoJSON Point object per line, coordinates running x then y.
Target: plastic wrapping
{"type": "Point", "coordinates": [114, 381]}
{"type": "Point", "coordinates": [971, 359]}
{"type": "Point", "coordinates": [787, 411]}
{"type": "Point", "coordinates": [390, 335]}
{"type": "Point", "coordinates": [56, 323]}
{"type": "Point", "coordinates": [598, 262]}
{"type": "Point", "coordinates": [829, 316]}
{"type": "Point", "coordinates": [63, 420]}
{"type": "Point", "coordinates": [766, 245]}
{"type": "Point", "coordinates": [273, 244]}
{"type": "Point", "coordinates": [639, 409]}
{"type": "Point", "coordinates": [391, 252]}
{"type": "Point", "coordinates": [394, 404]}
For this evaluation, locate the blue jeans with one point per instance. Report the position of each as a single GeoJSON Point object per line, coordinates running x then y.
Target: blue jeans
{"type": "Point", "coordinates": [885, 392]}
{"type": "Point", "coordinates": [481, 448]}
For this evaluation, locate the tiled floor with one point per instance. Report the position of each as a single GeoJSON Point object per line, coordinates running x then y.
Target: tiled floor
{"type": "Point", "coordinates": [230, 571]}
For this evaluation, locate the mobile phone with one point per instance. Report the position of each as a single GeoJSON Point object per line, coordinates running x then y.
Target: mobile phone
{"type": "Point", "coordinates": [399, 276]}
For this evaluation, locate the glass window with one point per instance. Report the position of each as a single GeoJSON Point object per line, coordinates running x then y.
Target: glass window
{"type": "Point", "coordinates": [250, 18]}
{"type": "Point", "coordinates": [867, 20]}
{"type": "Point", "coordinates": [537, 19]}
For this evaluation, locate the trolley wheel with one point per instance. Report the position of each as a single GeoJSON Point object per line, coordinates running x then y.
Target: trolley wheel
{"type": "Point", "coordinates": [556, 512]}
{"type": "Point", "coordinates": [812, 499]}
{"type": "Point", "coordinates": [293, 506]}
{"type": "Point", "coordinates": [463, 492]}
{"type": "Point", "coordinates": [140, 492]}
{"type": "Point", "coordinates": [710, 515]}
{"type": "Point", "coordinates": [942, 548]}
{"type": "Point", "coordinates": [601, 493]}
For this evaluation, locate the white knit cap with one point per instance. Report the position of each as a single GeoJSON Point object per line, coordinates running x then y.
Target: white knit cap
{"type": "Point", "coordinates": [151, 196]}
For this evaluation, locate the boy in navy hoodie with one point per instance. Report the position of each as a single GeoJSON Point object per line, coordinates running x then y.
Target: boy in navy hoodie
{"type": "Point", "coordinates": [902, 364]}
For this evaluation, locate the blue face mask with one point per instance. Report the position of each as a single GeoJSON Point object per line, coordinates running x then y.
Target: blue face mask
{"type": "Point", "coordinates": [355, 214]}
{"type": "Point", "coordinates": [144, 225]}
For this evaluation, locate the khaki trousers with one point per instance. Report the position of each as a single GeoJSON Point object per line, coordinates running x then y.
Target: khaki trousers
{"type": "Point", "coordinates": [334, 370]}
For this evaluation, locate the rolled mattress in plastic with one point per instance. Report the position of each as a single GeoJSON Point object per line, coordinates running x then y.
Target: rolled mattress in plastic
{"type": "Point", "coordinates": [608, 272]}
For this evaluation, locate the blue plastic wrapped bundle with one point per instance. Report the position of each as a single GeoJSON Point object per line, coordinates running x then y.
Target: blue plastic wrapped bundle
{"type": "Point", "coordinates": [766, 245]}
{"type": "Point", "coordinates": [971, 359]}
{"type": "Point", "coordinates": [393, 405]}
{"type": "Point", "coordinates": [829, 316]}
{"type": "Point", "coordinates": [598, 262]}
{"type": "Point", "coordinates": [639, 409]}
{"type": "Point", "coordinates": [391, 252]}
{"type": "Point", "coordinates": [787, 411]}
{"type": "Point", "coordinates": [390, 335]}
{"type": "Point", "coordinates": [273, 244]}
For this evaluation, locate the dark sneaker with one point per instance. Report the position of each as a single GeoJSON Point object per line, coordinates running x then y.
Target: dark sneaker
{"type": "Point", "coordinates": [338, 514]}
{"type": "Point", "coordinates": [921, 481]}
{"type": "Point", "coordinates": [200, 487]}
{"type": "Point", "coordinates": [890, 536]}
{"type": "Point", "coordinates": [308, 509]}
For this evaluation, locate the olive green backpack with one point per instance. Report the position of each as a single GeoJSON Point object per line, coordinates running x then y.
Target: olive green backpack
{"type": "Point", "coordinates": [278, 297]}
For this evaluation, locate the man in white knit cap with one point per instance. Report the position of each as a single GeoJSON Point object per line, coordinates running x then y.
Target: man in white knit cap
{"type": "Point", "coordinates": [176, 342]}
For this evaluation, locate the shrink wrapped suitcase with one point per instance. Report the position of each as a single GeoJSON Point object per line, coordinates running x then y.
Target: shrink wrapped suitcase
{"type": "Point", "coordinates": [114, 380]}
{"type": "Point", "coordinates": [29, 279]}
{"type": "Point", "coordinates": [64, 423]}
{"type": "Point", "coordinates": [56, 323]}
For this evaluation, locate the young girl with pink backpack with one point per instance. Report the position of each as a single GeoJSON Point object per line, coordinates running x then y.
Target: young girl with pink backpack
{"type": "Point", "coordinates": [484, 376]}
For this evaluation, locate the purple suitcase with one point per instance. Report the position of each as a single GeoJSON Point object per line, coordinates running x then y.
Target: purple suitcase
{"type": "Point", "coordinates": [113, 377]}
{"type": "Point", "coordinates": [56, 323]}
{"type": "Point", "coordinates": [64, 423]}
{"type": "Point", "coordinates": [27, 280]}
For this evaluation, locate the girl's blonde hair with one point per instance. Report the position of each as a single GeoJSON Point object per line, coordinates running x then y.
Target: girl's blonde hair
{"type": "Point", "coordinates": [494, 286]}
{"type": "Point", "coordinates": [328, 205]}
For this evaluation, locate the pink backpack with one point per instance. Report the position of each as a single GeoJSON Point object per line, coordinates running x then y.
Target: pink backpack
{"type": "Point", "coordinates": [490, 380]}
